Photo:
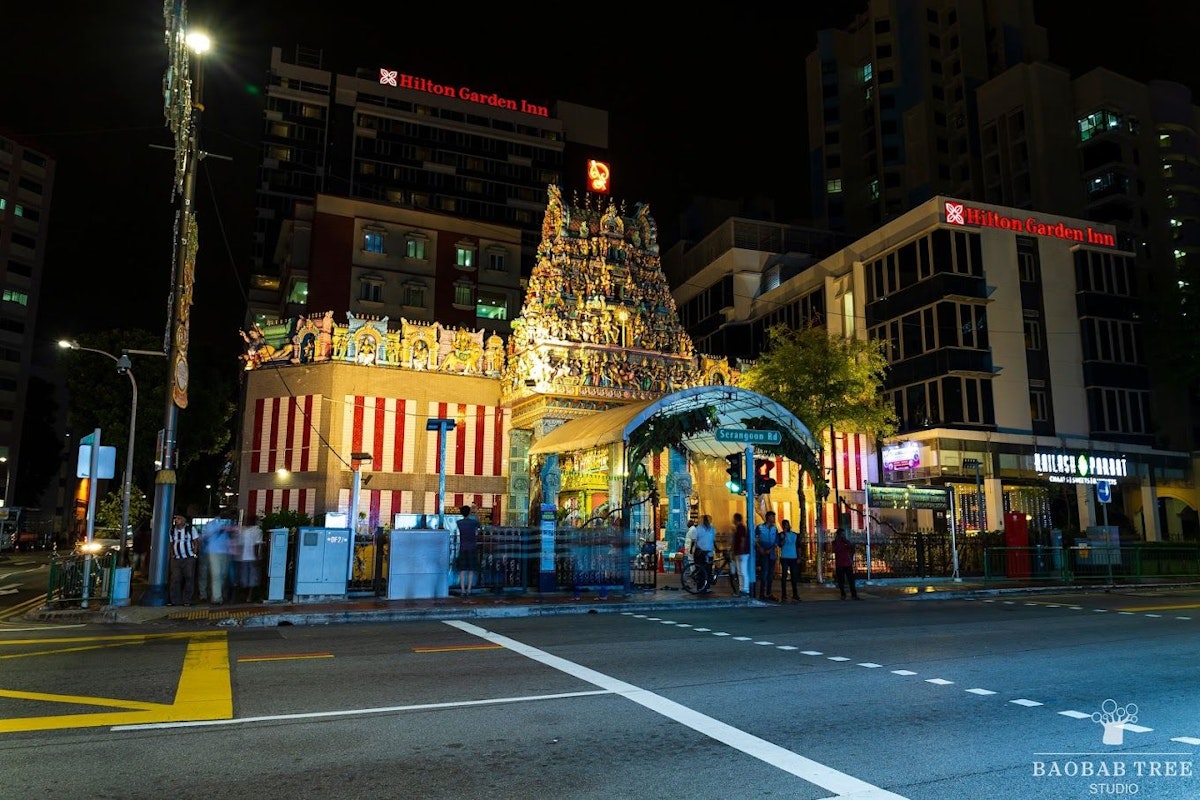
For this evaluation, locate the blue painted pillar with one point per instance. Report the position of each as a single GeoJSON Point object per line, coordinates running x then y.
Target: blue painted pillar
{"type": "Point", "coordinates": [679, 493]}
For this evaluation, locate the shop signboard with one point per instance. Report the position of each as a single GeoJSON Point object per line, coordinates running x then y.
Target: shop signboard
{"type": "Point", "coordinates": [901, 455]}
{"type": "Point", "coordinates": [935, 498]}
{"type": "Point", "coordinates": [1078, 467]}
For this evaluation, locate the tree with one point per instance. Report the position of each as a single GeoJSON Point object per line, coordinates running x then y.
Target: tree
{"type": "Point", "coordinates": [99, 396]}
{"type": "Point", "coordinates": [824, 380]}
{"type": "Point", "coordinates": [108, 510]}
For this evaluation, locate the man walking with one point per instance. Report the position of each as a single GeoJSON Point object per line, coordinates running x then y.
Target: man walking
{"type": "Point", "coordinates": [843, 564]}
{"type": "Point", "coordinates": [741, 554]}
{"type": "Point", "coordinates": [766, 540]}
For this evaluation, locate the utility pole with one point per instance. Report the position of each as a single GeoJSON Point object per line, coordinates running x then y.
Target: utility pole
{"type": "Point", "coordinates": [183, 104]}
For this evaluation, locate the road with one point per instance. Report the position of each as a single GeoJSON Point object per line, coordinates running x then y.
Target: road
{"type": "Point", "coordinates": [917, 699]}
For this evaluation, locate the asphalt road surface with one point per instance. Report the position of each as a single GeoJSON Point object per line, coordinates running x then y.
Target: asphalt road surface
{"type": "Point", "coordinates": [1029, 696]}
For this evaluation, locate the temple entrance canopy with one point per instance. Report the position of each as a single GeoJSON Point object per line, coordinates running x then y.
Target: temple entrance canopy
{"type": "Point", "coordinates": [687, 422]}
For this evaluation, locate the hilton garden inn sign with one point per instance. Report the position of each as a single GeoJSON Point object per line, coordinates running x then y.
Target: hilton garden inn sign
{"type": "Point", "coordinates": [1080, 467]}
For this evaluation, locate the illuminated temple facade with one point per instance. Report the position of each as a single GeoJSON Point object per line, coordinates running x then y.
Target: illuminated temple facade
{"type": "Point", "coordinates": [598, 329]}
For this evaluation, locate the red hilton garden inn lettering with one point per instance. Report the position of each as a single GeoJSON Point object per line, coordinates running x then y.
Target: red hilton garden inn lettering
{"type": "Point", "coordinates": [391, 77]}
{"type": "Point", "coordinates": [962, 214]}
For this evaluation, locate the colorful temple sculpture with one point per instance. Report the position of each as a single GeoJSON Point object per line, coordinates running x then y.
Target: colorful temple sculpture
{"type": "Point", "coordinates": [598, 330]}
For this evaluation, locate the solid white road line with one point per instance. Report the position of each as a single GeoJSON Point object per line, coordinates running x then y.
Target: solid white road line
{"type": "Point", "coordinates": [815, 773]}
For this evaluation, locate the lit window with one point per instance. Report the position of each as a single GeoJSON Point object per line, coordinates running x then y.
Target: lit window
{"type": "Point", "coordinates": [491, 306]}
{"type": "Point", "coordinates": [464, 257]}
{"type": "Point", "coordinates": [3, 203]}
{"type": "Point", "coordinates": [873, 189]}
{"type": "Point", "coordinates": [834, 186]}
{"type": "Point", "coordinates": [415, 248]}
{"type": "Point", "coordinates": [19, 210]}
{"type": "Point", "coordinates": [299, 293]}
{"type": "Point", "coordinates": [1164, 140]}
{"type": "Point", "coordinates": [373, 242]}
{"type": "Point", "coordinates": [867, 72]}
{"type": "Point", "coordinates": [13, 296]}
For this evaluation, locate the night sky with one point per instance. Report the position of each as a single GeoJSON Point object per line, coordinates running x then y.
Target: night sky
{"type": "Point", "coordinates": [707, 105]}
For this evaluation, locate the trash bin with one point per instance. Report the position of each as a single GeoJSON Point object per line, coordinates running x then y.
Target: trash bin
{"type": "Point", "coordinates": [120, 590]}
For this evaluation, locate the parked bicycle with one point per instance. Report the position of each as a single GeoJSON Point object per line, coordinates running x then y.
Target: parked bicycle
{"type": "Point", "coordinates": [697, 580]}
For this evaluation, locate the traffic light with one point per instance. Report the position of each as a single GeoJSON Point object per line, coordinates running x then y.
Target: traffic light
{"type": "Point", "coordinates": [737, 477]}
{"type": "Point", "coordinates": [762, 475]}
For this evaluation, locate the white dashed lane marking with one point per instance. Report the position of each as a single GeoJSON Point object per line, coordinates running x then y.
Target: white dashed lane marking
{"type": "Point", "coordinates": [1024, 702]}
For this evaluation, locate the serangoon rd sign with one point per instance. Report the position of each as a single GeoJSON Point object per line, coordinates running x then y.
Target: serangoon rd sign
{"type": "Point", "coordinates": [391, 77]}
{"type": "Point", "coordinates": [958, 213]}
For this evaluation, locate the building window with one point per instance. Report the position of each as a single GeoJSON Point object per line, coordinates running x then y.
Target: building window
{"type": "Point", "coordinates": [1033, 334]}
{"type": "Point", "coordinates": [299, 292]}
{"type": "Point", "coordinates": [1037, 405]}
{"type": "Point", "coordinates": [1028, 265]}
{"type": "Point", "coordinates": [13, 296]}
{"type": "Point", "coordinates": [491, 305]}
{"type": "Point", "coordinates": [464, 294]}
{"type": "Point", "coordinates": [464, 256]}
{"type": "Point", "coordinates": [834, 186]}
{"type": "Point", "coordinates": [373, 242]}
{"type": "Point", "coordinates": [370, 290]}
{"type": "Point", "coordinates": [496, 261]}
{"type": "Point", "coordinates": [414, 295]}
{"type": "Point", "coordinates": [414, 247]}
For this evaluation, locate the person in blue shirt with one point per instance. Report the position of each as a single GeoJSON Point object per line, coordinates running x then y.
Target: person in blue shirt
{"type": "Point", "coordinates": [789, 561]}
{"type": "Point", "coordinates": [766, 544]}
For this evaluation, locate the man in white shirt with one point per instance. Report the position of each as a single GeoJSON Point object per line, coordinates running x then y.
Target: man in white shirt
{"type": "Point", "coordinates": [702, 540]}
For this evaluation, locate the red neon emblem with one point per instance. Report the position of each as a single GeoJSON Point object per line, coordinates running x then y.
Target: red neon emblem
{"type": "Point", "coordinates": [598, 176]}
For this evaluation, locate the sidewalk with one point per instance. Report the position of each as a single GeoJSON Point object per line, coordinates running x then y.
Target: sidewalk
{"type": "Point", "coordinates": [481, 605]}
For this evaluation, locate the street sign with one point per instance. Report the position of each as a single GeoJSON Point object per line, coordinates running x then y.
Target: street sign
{"type": "Point", "coordinates": [748, 436]}
{"type": "Point", "coordinates": [1104, 491]}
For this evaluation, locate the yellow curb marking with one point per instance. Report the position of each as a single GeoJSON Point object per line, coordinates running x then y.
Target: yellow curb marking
{"type": "Point", "coordinates": [1178, 607]}
{"type": "Point", "coordinates": [204, 691]}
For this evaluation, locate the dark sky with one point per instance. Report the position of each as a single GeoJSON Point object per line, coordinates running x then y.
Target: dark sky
{"type": "Point", "coordinates": [707, 104]}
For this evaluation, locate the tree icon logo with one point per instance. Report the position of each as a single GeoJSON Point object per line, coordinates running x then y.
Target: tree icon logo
{"type": "Point", "coordinates": [1114, 718]}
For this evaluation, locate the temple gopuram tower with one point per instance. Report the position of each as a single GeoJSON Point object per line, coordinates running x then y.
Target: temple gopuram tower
{"type": "Point", "coordinates": [598, 329]}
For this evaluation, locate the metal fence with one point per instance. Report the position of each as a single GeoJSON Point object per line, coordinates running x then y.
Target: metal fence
{"type": "Point", "coordinates": [76, 580]}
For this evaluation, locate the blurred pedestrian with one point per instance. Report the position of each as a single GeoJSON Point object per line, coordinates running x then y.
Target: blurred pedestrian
{"type": "Point", "coordinates": [467, 561]}
{"type": "Point", "coordinates": [208, 531]}
{"type": "Point", "coordinates": [219, 546]}
{"type": "Point", "coordinates": [843, 565]}
{"type": "Point", "coordinates": [181, 542]}
{"type": "Point", "coordinates": [741, 554]}
{"type": "Point", "coordinates": [245, 547]}
{"type": "Point", "coordinates": [139, 551]}
{"type": "Point", "coordinates": [766, 544]}
{"type": "Point", "coordinates": [789, 561]}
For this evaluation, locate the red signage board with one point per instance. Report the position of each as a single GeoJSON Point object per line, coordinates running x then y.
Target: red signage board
{"type": "Point", "coordinates": [391, 77]}
{"type": "Point", "coordinates": [957, 212]}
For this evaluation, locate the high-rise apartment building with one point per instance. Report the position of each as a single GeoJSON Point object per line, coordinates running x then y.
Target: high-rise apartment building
{"type": "Point", "coordinates": [411, 141]}
{"type": "Point", "coordinates": [26, 183]}
{"type": "Point", "coordinates": [891, 103]}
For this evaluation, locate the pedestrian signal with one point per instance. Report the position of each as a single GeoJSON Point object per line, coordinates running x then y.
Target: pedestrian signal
{"type": "Point", "coordinates": [737, 480]}
{"type": "Point", "coordinates": [763, 482]}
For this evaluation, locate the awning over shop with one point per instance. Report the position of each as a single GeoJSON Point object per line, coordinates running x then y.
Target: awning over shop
{"type": "Point", "coordinates": [734, 408]}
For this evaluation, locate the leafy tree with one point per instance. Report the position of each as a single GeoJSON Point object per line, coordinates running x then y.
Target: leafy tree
{"type": "Point", "coordinates": [284, 518]}
{"type": "Point", "coordinates": [99, 396]}
{"type": "Point", "coordinates": [826, 381]}
{"type": "Point", "coordinates": [108, 510]}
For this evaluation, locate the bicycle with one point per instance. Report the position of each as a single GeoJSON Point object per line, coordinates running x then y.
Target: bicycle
{"type": "Point", "coordinates": [698, 581]}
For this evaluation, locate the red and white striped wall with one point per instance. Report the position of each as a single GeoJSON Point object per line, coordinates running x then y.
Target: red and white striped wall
{"type": "Point", "coordinates": [385, 427]}
{"type": "Point", "coordinates": [284, 434]}
{"type": "Point", "coordinates": [477, 446]}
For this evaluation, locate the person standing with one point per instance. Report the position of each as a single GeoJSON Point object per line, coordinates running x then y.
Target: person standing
{"type": "Point", "coordinates": [467, 562]}
{"type": "Point", "coordinates": [140, 551]}
{"type": "Point", "coordinates": [244, 551]}
{"type": "Point", "coordinates": [766, 542]}
{"type": "Point", "coordinates": [741, 554]}
{"type": "Point", "coordinates": [789, 561]}
{"type": "Point", "coordinates": [703, 538]}
{"type": "Point", "coordinates": [843, 565]}
{"type": "Point", "coordinates": [181, 542]}
{"type": "Point", "coordinates": [216, 544]}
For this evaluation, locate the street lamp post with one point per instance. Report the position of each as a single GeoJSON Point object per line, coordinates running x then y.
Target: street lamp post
{"type": "Point", "coordinates": [208, 487]}
{"type": "Point", "coordinates": [182, 110]}
{"type": "Point", "coordinates": [124, 366]}
{"type": "Point", "coordinates": [7, 475]}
